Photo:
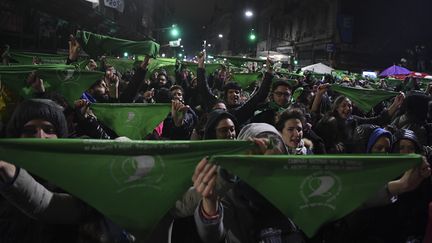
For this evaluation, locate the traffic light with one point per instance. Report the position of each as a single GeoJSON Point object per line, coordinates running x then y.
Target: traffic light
{"type": "Point", "coordinates": [252, 36]}
{"type": "Point", "coordinates": [175, 32]}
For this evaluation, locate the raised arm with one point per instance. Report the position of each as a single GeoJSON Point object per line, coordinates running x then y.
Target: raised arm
{"type": "Point", "coordinates": [136, 83]}
{"type": "Point", "coordinates": [32, 198]}
{"type": "Point", "coordinates": [203, 88]}
{"type": "Point", "coordinates": [246, 111]}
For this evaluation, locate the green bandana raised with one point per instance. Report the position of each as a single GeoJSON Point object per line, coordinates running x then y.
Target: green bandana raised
{"type": "Point", "coordinates": [365, 99]}
{"type": "Point", "coordinates": [134, 120]}
{"type": "Point", "coordinates": [314, 190]}
{"type": "Point", "coordinates": [64, 79]}
{"type": "Point", "coordinates": [96, 45]}
{"type": "Point", "coordinates": [245, 79]}
{"type": "Point", "coordinates": [133, 183]}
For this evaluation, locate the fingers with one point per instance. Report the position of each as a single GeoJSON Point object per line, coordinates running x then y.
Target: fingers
{"type": "Point", "coordinates": [206, 181]}
{"type": "Point", "coordinates": [178, 106]}
{"type": "Point", "coordinates": [262, 143]}
{"type": "Point", "coordinates": [184, 108]}
{"type": "Point", "coordinates": [209, 189]}
{"type": "Point", "coordinates": [199, 178]}
{"type": "Point", "coordinates": [199, 168]}
{"type": "Point", "coordinates": [209, 174]}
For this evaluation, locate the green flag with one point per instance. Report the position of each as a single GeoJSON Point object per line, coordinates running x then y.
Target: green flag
{"type": "Point", "coordinates": [132, 120]}
{"type": "Point", "coordinates": [166, 63]}
{"type": "Point", "coordinates": [209, 68]}
{"type": "Point", "coordinates": [245, 79]}
{"type": "Point", "coordinates": [133, 183]}
{"type": "Point", "coordinates": [96, 45]}
{"type": "Point", "coordinates": [314, 190]}
{"type": "Point", "coordinates": [120, 64]}
{"type": "Point", "coordinates": [365, 99]}
{"type": "Point", "coordinates": [239, 61]}
{"type": "Point", "coordinates": [339, 74]}
{"type": "Point", "coordinates": [64, 79]}
{"type": "Point", "coordinates": [26, 58]}
{"type": "Point", "coordinates": [392, 82]}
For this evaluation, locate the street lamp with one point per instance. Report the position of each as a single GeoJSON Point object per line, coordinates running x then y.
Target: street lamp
{"type": "Point", "coordinates": [220, 36]}
{"type": "Point", "coordinates": [248, 14]}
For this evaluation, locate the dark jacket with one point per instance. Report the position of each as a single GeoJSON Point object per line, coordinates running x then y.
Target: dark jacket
{"type": "Point", "coordinates": [245, 216]}
{"type": "Point", "coordinates": [334, 130]}
{"type": "Point", "coordinates": [135, 85]}
{"type": "Point", "coordinates": [32, 210]}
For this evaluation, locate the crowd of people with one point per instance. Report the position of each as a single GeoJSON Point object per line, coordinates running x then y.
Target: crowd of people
{"type": "Point", "coordinates": [220, 207]}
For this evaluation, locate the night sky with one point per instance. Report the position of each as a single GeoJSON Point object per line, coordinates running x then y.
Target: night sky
{"type": "Point", "coordinates": [191, 16]}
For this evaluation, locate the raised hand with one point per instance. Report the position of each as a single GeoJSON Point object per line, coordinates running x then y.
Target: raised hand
{"type": "Point", "coordinates": [201, 59]}
{"type": "Point", "coordinates": [145, 63]}
{"type": "Point", "coordinates": [204, 179]}
{"type": "Point", "coordinates": [74, 48]}
{"type": "Point", "coordinates": [178, 110]}
{"type": "Point", "coordinates": [36, 83]}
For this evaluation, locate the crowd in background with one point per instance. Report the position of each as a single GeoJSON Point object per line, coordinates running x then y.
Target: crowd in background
{"type": "Point", "coordinates": [297, 116]}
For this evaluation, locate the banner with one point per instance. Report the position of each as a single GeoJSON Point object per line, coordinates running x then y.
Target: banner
{"type": "Point", "coordinates": [63, 79]}
{"type": "Point", "coordinates": [133, 183]}
{"type": "Point", "coordinates": [97, 45]}
{"type": "Point", "coordinates": [365, 99]}
{"type": "Point", "coordinates": [314, 190]}
{"type": "Point", "coordinates": [132, 120]}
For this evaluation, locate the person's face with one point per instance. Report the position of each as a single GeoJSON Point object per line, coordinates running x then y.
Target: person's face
{"type": "Point", "coordinates": [222, 74]}
{"type": "Point", "coordinates": [109, 72]}
{"type": "Point", "coordinates": [282, 95]}
{"type": "Point", "coordinates": [38, 128]}
{"type": "Point", "coordinates": [382, 145]}
{"type": "Point", "coordinates": [344, 109]}
{"type": "Point", "coordinates": [233, 97]}
{"type": "Point", "coordinates": [406, 146]}
{"type": "Point", "coordinates": [92, 65]}
{"type": "Point", "coordinates": [177, 94]}
{"type": "Point", "coordinates": [100, 92]}
{"type": "Point", "coordinates": [292, 132]}
{"type": "Point", "coordinates": [225, 129]}
{"type": "Point", "coordinates": [220, 106]}
{"type": "Point", "coordinates": [162, 80]}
